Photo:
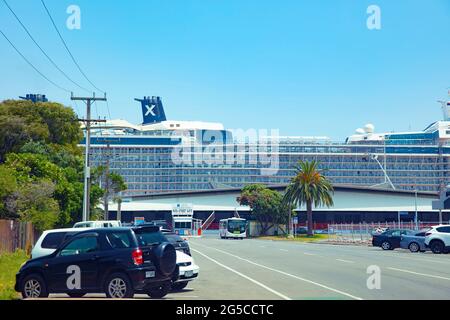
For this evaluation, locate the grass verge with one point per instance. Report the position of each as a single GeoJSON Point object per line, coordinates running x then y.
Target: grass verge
{"type": "Point", "coordinates": [9, 265]}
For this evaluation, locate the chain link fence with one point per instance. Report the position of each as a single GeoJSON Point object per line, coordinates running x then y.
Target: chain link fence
{"type": "Point", "coordinates": [17, 235]}
{"type": "Point", "coordinates": [362, 232]}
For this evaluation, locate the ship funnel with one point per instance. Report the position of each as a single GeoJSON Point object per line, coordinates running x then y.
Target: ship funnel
{"type": "Point", "coordinates": [152, 110]}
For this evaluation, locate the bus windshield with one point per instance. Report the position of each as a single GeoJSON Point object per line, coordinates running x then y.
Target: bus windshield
{"type": "Point", "coordinates": [236, 226]}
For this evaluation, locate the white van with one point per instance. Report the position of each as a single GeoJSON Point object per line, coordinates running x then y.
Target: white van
{"type": "Point", "coordinates": [98, 224]}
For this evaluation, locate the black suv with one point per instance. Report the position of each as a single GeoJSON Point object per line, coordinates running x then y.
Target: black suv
{"type": "Point", "coordinates": [116, 261]}
{"type": "Point", "coordinates": [177, 241]}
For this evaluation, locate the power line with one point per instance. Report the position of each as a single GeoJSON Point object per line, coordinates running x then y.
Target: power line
{"type": "Point", "coordinates": [36, 69]}
{"type": "Point", "coordinates": [42, 50]}
{"type": "Point", "coordinates": [67, 48]}
{"type": "Point", "coordinates": [107, 106]}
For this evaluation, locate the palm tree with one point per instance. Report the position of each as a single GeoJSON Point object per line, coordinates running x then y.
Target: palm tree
{"type": "Point", "coordinates": [309, 186]}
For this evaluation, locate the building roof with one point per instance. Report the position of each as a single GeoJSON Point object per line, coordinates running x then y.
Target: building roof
{"type": "Point", "coordinates": [282, 187]}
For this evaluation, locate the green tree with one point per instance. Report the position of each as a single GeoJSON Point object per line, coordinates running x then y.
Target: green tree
{"type": "Point", "coordinates": [309, 186]}
{"type": "Point", "coordinates": [35, 203]}
{"type": "Point", "coordinates": [112, 184]}
{"type": "Point", "coordinates": [8, 186]}
{"type": "Point", "coordinates": [266, 205]}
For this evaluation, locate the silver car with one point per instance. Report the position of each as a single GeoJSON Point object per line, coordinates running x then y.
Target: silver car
{"type": "Point", "coordinates": [414, 242]}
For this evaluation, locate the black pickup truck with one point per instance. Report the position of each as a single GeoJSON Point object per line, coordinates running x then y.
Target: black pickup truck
{"type": "Point", "coordinates": [117, 261]}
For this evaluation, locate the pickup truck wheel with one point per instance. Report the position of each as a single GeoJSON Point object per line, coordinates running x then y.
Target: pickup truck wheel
{"type": "Point", "coordinates": [437, 247]}
{"type": "Point", "coordinates": [76, 294]}
{"type": "Point", "coordinates": [178, 286]}
{"type": "Point", "coordinates": [386, 245]}
{"type": "Point", "coordinates": [118, 286]}
{"type": "Point", "coordinates": [159, 292]}
{"type": "Point", "coordinates": [414, 247]}
{"type": "Point", "coordinates": [34, 287]}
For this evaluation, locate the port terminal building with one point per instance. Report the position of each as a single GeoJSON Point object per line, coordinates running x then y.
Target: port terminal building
{"type": "Point", "coordinates": [351, 205]}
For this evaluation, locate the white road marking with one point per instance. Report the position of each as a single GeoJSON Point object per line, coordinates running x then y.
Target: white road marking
{"type": "Point", "coordinates": [291, 275]}
{"type": "Point", "coordinates": [420, 274]}
{"type": "Point", "coordinates": [346, 261]}
{"type": "Point", "coordinates": [309, 254]}
{"type": "Point", "coordinates": [244, 276]}
{"type": "Point", "coordinates": [283, 250]}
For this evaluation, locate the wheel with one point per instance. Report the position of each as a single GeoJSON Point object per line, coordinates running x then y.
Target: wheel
{"type": "Point", "coordinates": [414, 247]}
{"type": "Point", "coordinates": [178, 286]}
{"type": "Point", "coordinates": [34, 287]}
{"type": "Point", "coordinates": [159, 292]}
{"type": "Point", "coordinates": [386, 245]}
{"type": "Point", "coordinates": [437, 247]}
{"type": "Point", "coordinates": [76, 294]}
{"type": "Point", "coordinates": [118, 286]}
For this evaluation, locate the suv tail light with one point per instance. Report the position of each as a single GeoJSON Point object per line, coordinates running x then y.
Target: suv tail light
{"type": "Point", "coordinates": [137, 257]}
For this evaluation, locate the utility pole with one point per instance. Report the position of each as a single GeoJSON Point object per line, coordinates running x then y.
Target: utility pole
{"type": "Point", "coordinates": [106, 196]}
{"type": "Point", "coordinates": [87, 169]}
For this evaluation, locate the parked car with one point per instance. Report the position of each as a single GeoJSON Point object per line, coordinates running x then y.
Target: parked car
{"type": "Point", "coordinates": [379, 230]}
{"type": "Point", "coordinates": [301, 230]}
{"type": "Point", "coordinates": [178, 242]}
{"type": "Point", "coordinates": [116, 261]}
{"type": "Point", "coordinates": [187, 271]}
{"type": "Point", "coordinates": [50, 240]}
{"type": "Point", "coordinates": [438, 239]}
{"type": "Point", "coordinates": [162, 224]}
{"type": "Point", "coordinates": [98, 224]}
{"type": "Point", "coordinates": [414, 242]}
{"type": "Point", "coordinates": [390, 239]}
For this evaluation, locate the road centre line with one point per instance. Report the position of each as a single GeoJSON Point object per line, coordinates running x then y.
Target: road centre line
{"type": "Point", "coordinates": [290, 275]}
{"type": "Point", "coordinates": [346, 261]}
{"type": "Point", "coordinates": [244, 276]}
{"type": "Point", "coordinates": [419, 274]}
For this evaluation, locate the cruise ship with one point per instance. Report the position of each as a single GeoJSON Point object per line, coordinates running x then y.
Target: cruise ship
{"type": "Point", "coordinates": [163, 155]}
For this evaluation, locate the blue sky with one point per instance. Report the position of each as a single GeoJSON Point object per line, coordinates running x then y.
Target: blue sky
{"type": "Point", "coordinates": [304, 67]}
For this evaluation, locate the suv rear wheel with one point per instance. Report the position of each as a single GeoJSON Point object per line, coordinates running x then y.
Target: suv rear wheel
{"type": "Point", "coordinates": [34, 287]}
{"type": "Point", "coordinates": [160, 291]}
{"type": "Point", "coordinates": [178, 286]}
{"type": "Point", "coordinates": [118, 286]}
{"type": "Point", "coordinates": [437, 246]}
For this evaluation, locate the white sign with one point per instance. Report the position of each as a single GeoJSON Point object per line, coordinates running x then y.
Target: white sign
{"type": "Point", "coordinates": [183, 209]}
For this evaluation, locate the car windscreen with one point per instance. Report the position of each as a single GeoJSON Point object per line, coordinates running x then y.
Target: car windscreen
{"type": "Point", "coordinates": [146, 238]}
{"type": "Point", "coordinates": [53, 240]}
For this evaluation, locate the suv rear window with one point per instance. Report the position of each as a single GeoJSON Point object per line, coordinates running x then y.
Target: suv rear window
{"type": "Point", "coordinates": [146, 238]}
{"type": "Point", "coordinates": [119, 240]}
{"type": "Point", "coordinates": [53, 240]}
{"type": "Point", "coordinates": [443, 229]}
{"type": "Point", "coordinates": [173, 237]}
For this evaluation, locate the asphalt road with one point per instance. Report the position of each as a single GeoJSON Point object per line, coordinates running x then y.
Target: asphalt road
{"type": "Point", "coordinates": [264, 269]}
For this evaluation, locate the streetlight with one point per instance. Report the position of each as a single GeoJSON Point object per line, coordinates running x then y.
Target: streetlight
{"type": "Point", "coordinates": [416, 221]}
